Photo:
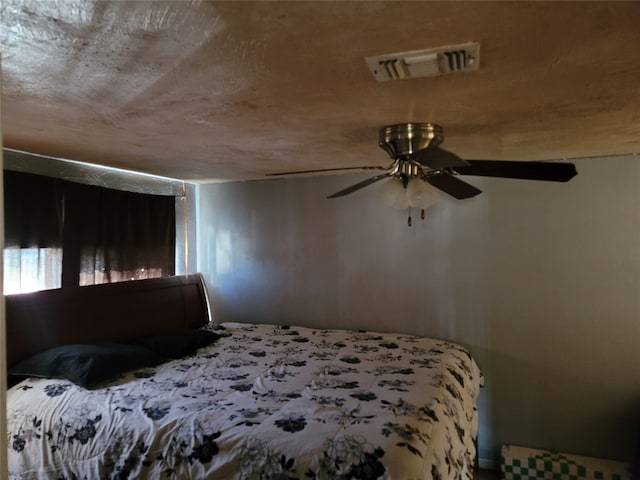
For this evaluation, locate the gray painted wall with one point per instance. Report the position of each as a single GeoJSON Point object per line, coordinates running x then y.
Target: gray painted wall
{"type": "Point", "coordinates": [540, 281]}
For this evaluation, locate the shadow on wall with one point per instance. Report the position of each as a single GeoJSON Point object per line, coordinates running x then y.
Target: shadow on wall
{"type": "Point", "coordinates": [591, 413]}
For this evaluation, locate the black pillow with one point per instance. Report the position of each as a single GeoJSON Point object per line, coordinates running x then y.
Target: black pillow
{"type": "Point", "coordinates": [180, 343]}
{"type": "Point", "coordinates": [86, 364]}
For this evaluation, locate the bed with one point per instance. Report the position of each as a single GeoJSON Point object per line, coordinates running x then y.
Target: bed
{"type": "Point", "coordinates": [256, 402]}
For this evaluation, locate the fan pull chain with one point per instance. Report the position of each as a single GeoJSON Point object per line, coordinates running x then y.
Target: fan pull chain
{"type": "Point", "coordinates": [409, 219]}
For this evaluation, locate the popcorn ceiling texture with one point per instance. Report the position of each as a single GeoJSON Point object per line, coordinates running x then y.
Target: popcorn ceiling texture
{"type": "Point", "coordinates": [234, 90]}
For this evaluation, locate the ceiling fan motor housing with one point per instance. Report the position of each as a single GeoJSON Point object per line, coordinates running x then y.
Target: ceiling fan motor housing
{"type": "Point", "coordinates": [404, 139]}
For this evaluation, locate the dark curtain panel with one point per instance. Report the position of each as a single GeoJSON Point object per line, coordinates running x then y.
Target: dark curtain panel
{"type": "Point", "coordinates": [102, 235]}
{"type": "Point", "coordinates": [33, 206]}
{"type": "Point", "coordinates": [112, 235]}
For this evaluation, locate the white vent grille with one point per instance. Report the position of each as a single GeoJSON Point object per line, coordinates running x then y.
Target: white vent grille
{"type": "Point", "coordinates": [425, 63]}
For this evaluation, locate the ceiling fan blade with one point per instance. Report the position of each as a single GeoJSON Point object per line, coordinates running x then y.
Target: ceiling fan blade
{"type": "Point", "coordinates": [437, 158]}
{"type": "Point", "coordinates": [360, 185]}
{"type": "Point", "coordinates": [327, 170]}
{"type": "Point", "coordinates": [548, 171]}
{"type": "Point", "coordinates": [453, 186]}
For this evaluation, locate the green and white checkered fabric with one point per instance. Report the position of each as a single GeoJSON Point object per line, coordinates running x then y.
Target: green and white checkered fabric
{"type": "Point", "coordinates": [519, 463]}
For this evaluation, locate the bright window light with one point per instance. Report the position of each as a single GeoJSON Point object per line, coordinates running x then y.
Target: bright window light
{"type": "Point", "coordinates": [32, 269]}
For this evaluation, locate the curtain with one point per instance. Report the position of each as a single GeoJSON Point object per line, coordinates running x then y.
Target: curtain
{"type": "Point", "coordinates": [33, 210]}
{"type": "Point", "coordinates": [113, 235]}
{"type": "Point", "coordinates": [60, 233]}
{"type": "Point", "coordinates": [33, 232]}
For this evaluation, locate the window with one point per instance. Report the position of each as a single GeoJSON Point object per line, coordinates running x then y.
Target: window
{"type": "Point", "coordinates": [31, 269]}
{"type": "Point", "coordinates": [61, 234]}
{"type": "Point", "coordinates": [33, 232]}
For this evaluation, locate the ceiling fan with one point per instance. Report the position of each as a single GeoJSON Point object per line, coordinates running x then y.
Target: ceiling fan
{"type": "Point", "coordinates": [416, 154]}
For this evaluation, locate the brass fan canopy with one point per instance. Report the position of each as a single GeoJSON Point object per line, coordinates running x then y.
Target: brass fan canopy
{"type": "Point", "coordinates": [404, 139]}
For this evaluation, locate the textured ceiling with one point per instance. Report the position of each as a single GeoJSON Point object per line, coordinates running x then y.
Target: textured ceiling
{"type": "Point", "coordinates": [235, 90]}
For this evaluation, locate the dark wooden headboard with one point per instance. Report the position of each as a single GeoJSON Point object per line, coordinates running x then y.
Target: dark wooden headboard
{"type": "Point", "coordinates": [108, 312]}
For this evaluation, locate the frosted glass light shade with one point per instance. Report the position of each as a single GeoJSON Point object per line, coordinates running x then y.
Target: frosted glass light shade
{"type": "Point", "coordinates": [394, 194]}
{"type": "Point", "coordinates": [417, 194]}
{"type": "Point", "coordinates": [420, 194]}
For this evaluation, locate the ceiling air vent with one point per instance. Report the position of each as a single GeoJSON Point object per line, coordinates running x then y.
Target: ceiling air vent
{"type": "Point", "coordinates": [425, 63]}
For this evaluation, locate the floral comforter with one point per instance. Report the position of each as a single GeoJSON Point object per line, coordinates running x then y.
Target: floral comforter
{"type": "Point", "coordinates": [263, 402]}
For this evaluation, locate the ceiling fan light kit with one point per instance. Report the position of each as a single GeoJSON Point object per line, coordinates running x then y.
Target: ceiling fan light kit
{"type": "Point", "coordinates": [416, 194]}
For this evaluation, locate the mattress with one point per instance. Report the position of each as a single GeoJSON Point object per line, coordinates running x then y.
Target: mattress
{"type": "Point", "coordinates": [263, 401]}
